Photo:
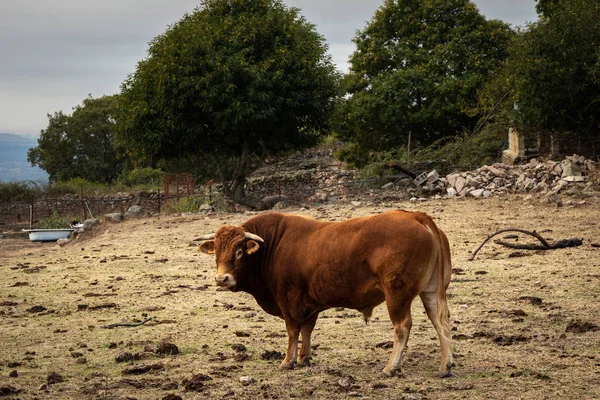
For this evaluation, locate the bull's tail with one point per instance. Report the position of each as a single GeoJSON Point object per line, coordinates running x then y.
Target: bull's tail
{"type": "Point", "coordinates": [443, 313]}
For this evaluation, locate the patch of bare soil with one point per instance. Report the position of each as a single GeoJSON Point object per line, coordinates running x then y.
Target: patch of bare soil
{"type": "Point", "coordinates": [131, 311]}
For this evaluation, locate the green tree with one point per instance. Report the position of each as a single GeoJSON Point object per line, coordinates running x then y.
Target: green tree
{"type": "Point", "coordinates": [417, 67]}
{"type": "Point", "coordinates": [555, 69]}
{"type": "Point", "coordinates": [232, 81]}
{"type": "Point", "coordinates": [79, 145]}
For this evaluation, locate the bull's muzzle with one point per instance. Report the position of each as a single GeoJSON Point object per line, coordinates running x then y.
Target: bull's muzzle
{"type": "Point", "coordinates": [225, 280]}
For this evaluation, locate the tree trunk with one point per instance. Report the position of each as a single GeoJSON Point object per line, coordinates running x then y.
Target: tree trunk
{"type": "Point", "coordinates": [238, 186]}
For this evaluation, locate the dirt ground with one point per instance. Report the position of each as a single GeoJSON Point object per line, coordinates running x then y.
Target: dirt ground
{"type": "Point", "coordinates": [525, 323]}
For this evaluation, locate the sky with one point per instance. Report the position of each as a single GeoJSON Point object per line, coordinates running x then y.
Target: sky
{"type": "Point", "coordinates": [56, 53]}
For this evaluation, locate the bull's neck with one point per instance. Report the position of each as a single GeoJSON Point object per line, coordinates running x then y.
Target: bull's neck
{"type": "Point", "coordinates": [258, 280]}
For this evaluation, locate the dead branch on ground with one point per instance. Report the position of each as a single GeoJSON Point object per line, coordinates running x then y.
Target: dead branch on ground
{"type": "Point", "coordinates": [559, 244]}
{"type": "Point", "coordinates": [128, 324]}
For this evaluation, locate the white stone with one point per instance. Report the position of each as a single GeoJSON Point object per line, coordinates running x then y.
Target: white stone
{"type": "Point", "coordinates": [460, 184]}
{"type": "Point", "coordinates": [476, 193]}
{"type": "Point", "coordinates": [246, 380]}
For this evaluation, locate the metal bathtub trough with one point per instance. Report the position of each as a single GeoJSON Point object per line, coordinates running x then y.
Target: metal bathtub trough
{"type": "Point", "coordinates": [48, 235]}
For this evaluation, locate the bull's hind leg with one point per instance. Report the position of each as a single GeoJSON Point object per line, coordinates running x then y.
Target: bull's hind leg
{"type": "Point", "coordinates": [307, 327]}
{"type": "Point", "coordinates": [399, 310]}
{"type": "Point", "coordinates": [442, 328]}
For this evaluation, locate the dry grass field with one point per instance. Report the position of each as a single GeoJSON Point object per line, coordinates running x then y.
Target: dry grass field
{"type": "Point", "coordinates": [525, 323]}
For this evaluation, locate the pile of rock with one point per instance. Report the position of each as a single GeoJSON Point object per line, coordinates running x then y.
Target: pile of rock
{"type": "Point", "coordinates": [548, 177]}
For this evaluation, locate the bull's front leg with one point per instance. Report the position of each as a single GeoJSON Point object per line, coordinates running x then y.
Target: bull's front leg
{"type": "Point", "coordinates": [306, 329]}
{"type": "Point", "coordinates": [293, 329]}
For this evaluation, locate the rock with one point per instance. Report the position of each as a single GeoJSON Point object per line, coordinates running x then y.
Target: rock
{"type": "Point", "coordinates": [433, 176]}
{"type": "Point", "coordinates": [172, 396]}
{"type": "Point", "coordinates": [281, 205]}
{"type": "Point", "coordinates": [452, 179]}
{"type": "Point", "coordinates": [476, 193]}
{"type": "Point", "coordinates": [451, 192]}
{"type": "Point", "coordinates": [356, 203]}
{"type": "Point", "coordinates": [8, 390]}
{"type": "Point", "coordinates": [124, 357]}
{"type": "Point", "coordinates": [387, 186]}
{"type": "Point", "coordinates": [113, 217]}
{"type": "Point", "coordinates": [36, 309]}
{"type": "Point", "coordinates": [196, 382]}
{"type": "Point", "coordinates": [574, 178]}
{"type": "Point", "coordinates": [569, 168]}
{"type": "Point", "coordinates": [88, 223]}
{"type": "Point", "coordinates": [167, 348]}
{"type": "Point", "coordinates": [81, 360]}
{"type": "Point", "coordinates": [13, 374]}
{"type": "Point", "coordinates": [246, 380]}
{"type": "Point", "coordinates": [62, 241]}
{"type": "Point", "coordinates": [54, 378]}
{"type": "Point", "coordinates": [460, 184]}
{"type": "Point", "coordinates": [495, 171]}
{"type": "Point", "coordinates": [135, 212]}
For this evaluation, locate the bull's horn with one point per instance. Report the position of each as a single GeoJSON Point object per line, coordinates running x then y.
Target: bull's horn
{"type": "Point", "coordinates": [253, 236]}
{"type": "Point", "coordinates": [205, 237]}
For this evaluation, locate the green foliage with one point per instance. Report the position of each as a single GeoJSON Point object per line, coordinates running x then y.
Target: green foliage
{"type": "Point", "coordinates": [189, 204]}
{"type": "Point", "coordinates": [234, 78]}
{"type": "Point", "coordinates": [75, 186]}
{"type": "Point", "coordinates": [20, 191]}
{"type": "Point", "coordinates": [467, 151]}
{"type": "Point", "coordinates": [461, 153]}
{"type": "Point", "coordinates": [555, 69]}
{"type": "Point", "coordinates": [81, 144]}
{"type": "Point", "coordinates": [143, 176]}
{"type": "Point", "coordinates": [55, 221]}
{"type": "Point", "coordinates": [417, 68]}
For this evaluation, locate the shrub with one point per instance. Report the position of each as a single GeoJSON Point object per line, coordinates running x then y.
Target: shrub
{"type": "Point", "coordinates": [55, 221]}
{"type": "Point", "coordinates": [21, 191]}
{"type": "Point", "coordinates": [142, 176]}
{"type": "Point", "coordinates": [186, 204]}
{"type": "Point", "coordinates": [74, 187]}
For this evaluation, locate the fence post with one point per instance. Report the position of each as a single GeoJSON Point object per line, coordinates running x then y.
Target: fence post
{"type": "Point", "coordinates": [82, 203]}
{"type": "Point", "coordinates": [31, 215]}
{"type": "Point", "coordinates": [158, 198]}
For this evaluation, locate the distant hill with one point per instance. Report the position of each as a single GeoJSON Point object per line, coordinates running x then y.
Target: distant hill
{"type": "Point", "coordinates": [13, 159]}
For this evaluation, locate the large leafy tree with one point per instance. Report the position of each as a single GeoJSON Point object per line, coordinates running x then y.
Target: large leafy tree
{"type": "Point", "coordinates": [79, 145]}
{"type": "Point", "coordinates": [232, 81]}
{"type": "Point", "coordinates": [417, 67]}
{"type": "Point", "coordinates": [555, 70]}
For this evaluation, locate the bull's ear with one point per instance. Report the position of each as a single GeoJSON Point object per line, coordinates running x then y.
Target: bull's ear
{"type": "Point", "coordinates": [252, 247]}
{"type": "Point", "coordinates": [208, 247]}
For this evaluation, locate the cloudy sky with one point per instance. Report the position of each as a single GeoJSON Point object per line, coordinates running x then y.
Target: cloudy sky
{"type": "Point", "coordinates": [55, 53]}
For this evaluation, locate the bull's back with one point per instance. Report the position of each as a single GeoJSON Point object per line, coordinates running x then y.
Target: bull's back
{"type": "Point", "coordinates": [342, 260]}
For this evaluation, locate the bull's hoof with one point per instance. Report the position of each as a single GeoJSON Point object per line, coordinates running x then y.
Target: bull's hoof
{"type": "Point", "coordinates": [446, 372]}
{"type": "Point", "coordinates": [305, 362]}
{"type": "Point", "coordinates": [287, 365]}
{"type": "Point", "coordinates": [392, 373]}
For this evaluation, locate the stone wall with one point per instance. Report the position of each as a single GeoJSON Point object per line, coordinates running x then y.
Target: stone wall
{"type": "Point", "coordinates": [16, 215]}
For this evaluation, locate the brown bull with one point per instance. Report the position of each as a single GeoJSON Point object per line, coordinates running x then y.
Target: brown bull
{"type": "Point", "coordinates": [296, 267]}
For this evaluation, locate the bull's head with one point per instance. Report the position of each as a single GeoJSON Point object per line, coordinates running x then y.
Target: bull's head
{"type": "Point", "coordinates": [230, 245]}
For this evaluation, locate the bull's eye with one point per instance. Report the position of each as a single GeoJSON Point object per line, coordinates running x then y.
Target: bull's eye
{"type": "Point", "coordinates": [239, 253]}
